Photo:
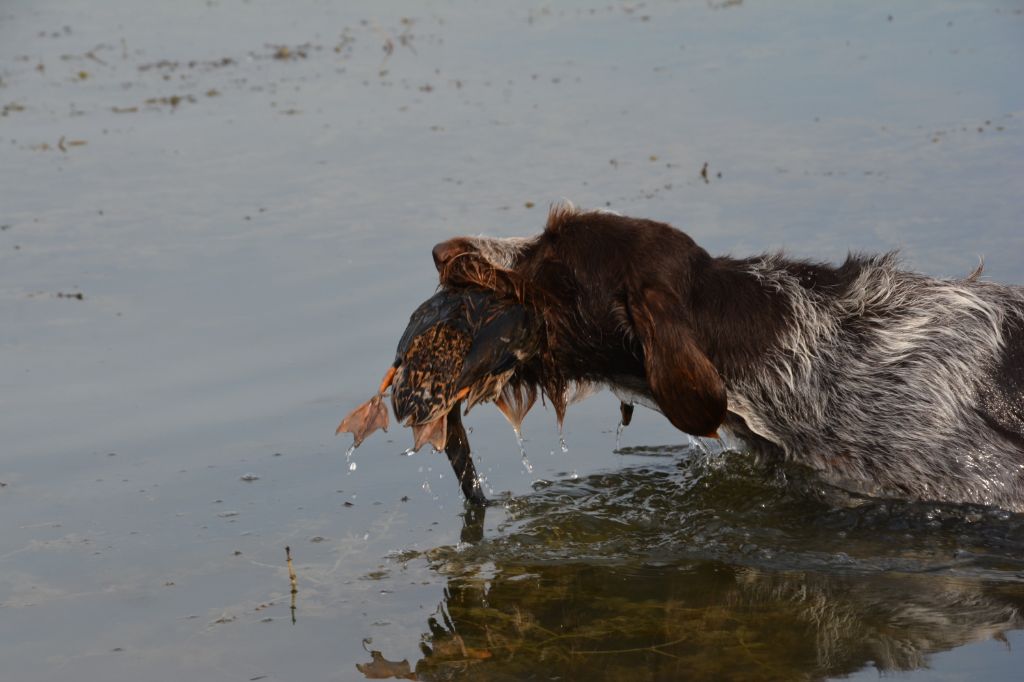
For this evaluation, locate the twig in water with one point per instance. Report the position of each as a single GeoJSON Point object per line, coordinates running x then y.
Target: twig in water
{"type": "Point", "coordinates": [292, 578]}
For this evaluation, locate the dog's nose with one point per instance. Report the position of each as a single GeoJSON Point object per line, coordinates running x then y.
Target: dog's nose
{"type": "Point", "coordinates": [445, 251]}
{"type": "Point", "coordinates": [439, 254]}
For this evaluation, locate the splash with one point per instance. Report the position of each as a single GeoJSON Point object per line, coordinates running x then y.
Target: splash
{"type": "Point", "coordinates": [618, 434]}
{"type": "Point", "coordinates": [521, 442]}
{"type": "Point", "coordinates": [527, 465]}
{"type": "Point", "coordinates": [484, 484]}
{"type": "Point", "coordinates": [348, 458]}
{"type": "Point", "coordinates": [699, 444]}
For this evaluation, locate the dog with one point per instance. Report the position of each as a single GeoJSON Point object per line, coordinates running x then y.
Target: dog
{"type": "Point", "coordinates": [886, 382]}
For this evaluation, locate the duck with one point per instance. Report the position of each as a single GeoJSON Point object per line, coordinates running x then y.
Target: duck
{"type": "Point", "coordinates": [461, 347]}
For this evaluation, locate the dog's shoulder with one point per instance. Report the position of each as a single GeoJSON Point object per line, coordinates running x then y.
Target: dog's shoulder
{"type": "Point", "coordinates": [1001, 397]}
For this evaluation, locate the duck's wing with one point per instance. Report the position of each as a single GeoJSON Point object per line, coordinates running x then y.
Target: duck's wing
{"type": "Point", "coordinates": [425, 383]}
{"type": "Point", "coordinates": [499, 339]}
{"type": "Point", "coordinates": [447, 305]}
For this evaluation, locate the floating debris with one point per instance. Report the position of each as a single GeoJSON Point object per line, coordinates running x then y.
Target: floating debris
{"type": "Point", "coordinates": [64, 143]}
{"type": "Point", "coordinates": [291, 578]}
{"type": "Point", "coordinates": [285, 53]}
{"type": "Point", "coordinates": [173, 100]}
{"type": "Point", "coordinates": [12, 107]}
{"type": "Point", "coordinates": [379, 668]}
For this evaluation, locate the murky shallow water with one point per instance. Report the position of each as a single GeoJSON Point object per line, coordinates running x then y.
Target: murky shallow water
{"type": "Point", "coordinates": [707, 569]}
{"type": "Point", "coordinates": [245, 195]}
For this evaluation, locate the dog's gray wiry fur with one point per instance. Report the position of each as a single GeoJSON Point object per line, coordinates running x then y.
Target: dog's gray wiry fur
{"type": "Point", "coordinates": [885, 381]}
{"type": "Point", "coordinates": [892, 386]}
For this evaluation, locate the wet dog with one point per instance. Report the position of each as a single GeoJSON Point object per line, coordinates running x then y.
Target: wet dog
{"type": "Point", "coordinates": [887, 382]}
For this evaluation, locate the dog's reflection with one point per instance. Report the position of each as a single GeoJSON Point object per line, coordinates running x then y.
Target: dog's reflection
{"type": "Point", "coordinates": [581, 619]}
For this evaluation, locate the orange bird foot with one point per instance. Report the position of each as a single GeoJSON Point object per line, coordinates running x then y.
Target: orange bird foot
{"type": "Point", "coordinates": [365, 419]}
{"type": "Point", "coordinates": [435, 433]}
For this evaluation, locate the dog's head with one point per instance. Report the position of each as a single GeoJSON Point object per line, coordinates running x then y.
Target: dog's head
{"type": "Point", "coordinates": [604, 285]}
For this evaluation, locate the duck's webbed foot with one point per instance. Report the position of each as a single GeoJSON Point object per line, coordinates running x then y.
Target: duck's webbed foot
{"type": "Point", "coordinates": [365, 419]}
{"type": "Point", "coordinates": [434, 432]}
{"type": "Point", "coordinates": [371, 415]}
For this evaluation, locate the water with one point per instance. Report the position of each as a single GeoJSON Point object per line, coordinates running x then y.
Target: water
{"type": "Point", "coordinates": [245, 195]}
{"type": "Point", "coordinates": [653, 566]}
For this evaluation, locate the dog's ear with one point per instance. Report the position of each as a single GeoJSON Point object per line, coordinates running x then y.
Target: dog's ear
{"type": "Point", "coordinates": [684, 383]}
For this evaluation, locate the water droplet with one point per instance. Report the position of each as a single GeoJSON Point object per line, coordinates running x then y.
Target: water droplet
{"type": "Point", "coordinates": [409, 453]}
{"type": "Point", "coordinates": [522, 450]}
{"type": "Point", "coordinates": [561, 442]}
{"type": "Point", "coordinates": [574, 475]}
{"type": "Point", "coordinates": [618, 433]}
{"type": "Point", "coordinates": [348, 458]}
{"type": "Point", "coordinates": [519, 441]}
{"type": "Point", "coordinates": [699, 444]}
{"type": "Point", "coordinates": [527, 465]}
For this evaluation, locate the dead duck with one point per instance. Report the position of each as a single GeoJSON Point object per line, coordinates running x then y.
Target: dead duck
{"type": "Point", "coordinates": [462, 345]}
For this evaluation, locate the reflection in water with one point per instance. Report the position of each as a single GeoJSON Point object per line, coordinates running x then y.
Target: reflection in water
{"type": "Point", "coordinates": [703, 620]}
{"type": "Point", "coordinates": [715, 568]}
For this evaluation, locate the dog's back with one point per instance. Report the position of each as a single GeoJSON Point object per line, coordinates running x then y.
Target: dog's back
{"type": "Point", "coordinates": [885, 381]}
{"type": "Point", "coordinates": [896, 384]}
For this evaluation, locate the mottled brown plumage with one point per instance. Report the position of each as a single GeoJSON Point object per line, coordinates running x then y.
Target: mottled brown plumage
{"type": "Point", "coordinates": [424, 387]}
{"type": "Point", "coordinates": [463, 344]}
{"type": "Point", "coordinates": [460, 344]}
